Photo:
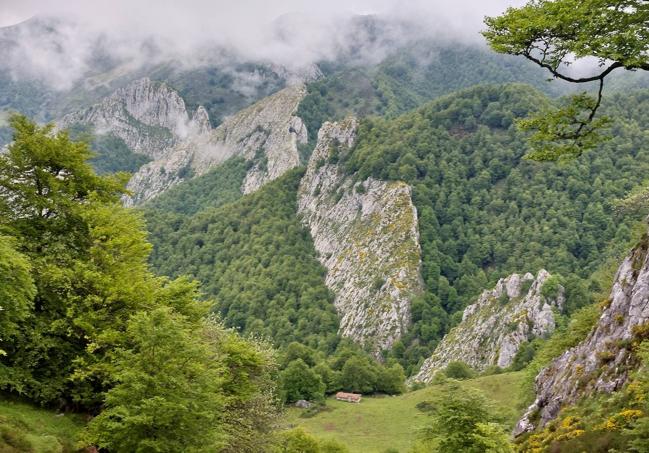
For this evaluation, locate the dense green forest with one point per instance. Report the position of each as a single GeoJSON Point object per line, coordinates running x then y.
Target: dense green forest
{"type": "Point", "coordinates": [201, 321]}
{"type": "Point", "coordinates": [111, 155]}
{"type": "Point", "coordinates": [485, 211]}
{"type": "Point", "coordinates": [410, 77]}
{"type": "Point", "coordinates": [257, 261]}
{"type": "Point", "coordinates": [219, 186]}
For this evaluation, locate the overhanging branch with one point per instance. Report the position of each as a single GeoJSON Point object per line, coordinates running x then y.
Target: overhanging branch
{"type": "Point", "coordinates": [595, 78]}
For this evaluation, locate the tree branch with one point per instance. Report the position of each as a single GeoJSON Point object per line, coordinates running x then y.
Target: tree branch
{"type": "Point", "coordinates": [558, 75]}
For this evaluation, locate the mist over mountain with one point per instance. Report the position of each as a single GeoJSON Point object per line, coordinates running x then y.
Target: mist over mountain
{"type": "Point", "coordinates": [63, 43]}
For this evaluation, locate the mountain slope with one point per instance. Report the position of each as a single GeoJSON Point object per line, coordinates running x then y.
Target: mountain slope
{"type": "Point", "coordinates": [148, 116]}
{"type": "Point", "coordinates": [602, 362]}
{"type": "Point", "coordinates": [497, 324]}
{"type": "Point", "coordinates": [484, 211]}
{"type": "Point", "coordinates": [411, 76]}
{"type": "Point", "coordinates": [366, 236]}
{"type": "Point", "coordinates": [257, 262]}
{"type": "Point", "coordinates": [266, 134]}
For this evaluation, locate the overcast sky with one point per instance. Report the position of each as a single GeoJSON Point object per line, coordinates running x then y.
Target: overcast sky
{"type": "Point", "coordinates": [315, 29]}
{"type": "Point", "coordinates": [239, 15]}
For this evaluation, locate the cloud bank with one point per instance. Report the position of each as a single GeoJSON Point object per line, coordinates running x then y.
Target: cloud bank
{"type": "Point", "coordinates": [290, 33]}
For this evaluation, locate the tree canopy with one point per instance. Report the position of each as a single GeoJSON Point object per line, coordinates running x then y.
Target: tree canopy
{"type": "Point", "coordinates": [555, 33]}
{"type": "Point", "coordinates": [85, 325]}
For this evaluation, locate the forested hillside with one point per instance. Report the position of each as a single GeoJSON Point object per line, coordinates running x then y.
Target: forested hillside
{"type": "Point", "coordinates": [409, 77]}
{"type": "Point", "coordinates": [484, 212]}
{"type": "Point", "coordinates": [256, 260]}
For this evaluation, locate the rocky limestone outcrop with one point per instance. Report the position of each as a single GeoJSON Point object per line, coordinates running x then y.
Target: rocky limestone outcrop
{"type": "Point", "coordinates": [366, 235]}
{"type": "Point", "coordinates": [601, 362]}
{"type": "Point", "coordinates": [150, 117]}
{"type": "Point", "coordinates": [494, 327]}
{"type": "Point", "coordinates": [267, 134]}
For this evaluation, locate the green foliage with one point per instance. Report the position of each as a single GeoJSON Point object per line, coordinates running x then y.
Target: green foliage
{"type": "Point", "coordinates": [17, 289]}
{"type": "Point", "coordinates": [299, 382]}
{"type": "Point", "coordinates": [484, 211]}
{"type": "Point", "coordinates": [391, 379]}
{"type": "Point", "coordinates": [564, 132]}
{"type": "Point", "coordinates": [459, 370]}
{"type": "Point", "coordinates": [257, 261]}
{"type": "Point", "coordinates": [298, 441]}
{"type": "Point", "coordinates": [349, 368]}
{"type": "Point", "coordinates": [358, 375]}
{"type": "Point", "coordinates": [162, 401]}
{"type": "Point", "coordinates": [554, 33]}
{"type": "Point", "coordinates": [330, 377]}
{"type": "Point", "coordinates": [296, 351]}
{"type": "Point", "coordinates": [551, 287]}
{"type": "Point", "coordinates": [217, 187]}
{"type": "Point", "coordinates": [407, 78]}
{"type": "Point", "coordinates": [525, 355]}
{"type": "Point", "coordinates": [591, 28]}
{"type": "Point", "coordinates": [105, 333]}
{"type": "Point", "coordinates": [111, 153]}
{"type": "Point", "coordinates": [83, 249]}
{"type": "Point", "coordinates": [114, 156]}
{"type": "Point", "coordinates": [44, 179]}
{"type": "Point", "coordinates": [461, 422]}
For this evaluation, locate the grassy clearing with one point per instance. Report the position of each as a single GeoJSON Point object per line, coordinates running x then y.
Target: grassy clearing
{"type": "Point", "coordinates": [24, 428]}
{"type": "Point", "coordinates": [380, 423]}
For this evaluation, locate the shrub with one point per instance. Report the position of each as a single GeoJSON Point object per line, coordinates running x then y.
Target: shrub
{"type": "Point", "coordinates": [299, 382]}
{"type": "Point", "coordinates": [459, 370]}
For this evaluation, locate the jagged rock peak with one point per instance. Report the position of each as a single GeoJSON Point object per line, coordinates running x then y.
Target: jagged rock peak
{"type": "Point", "coordinates": [154, 104]}
{"type": "Point", "coordinates": [366, 235]}
{"type": "Point", "coordinates": [148, 116]}
{"type": "Point", "coordinates": [495, 326]}
{"type": "Point", "coordinates": [602, 361]}
{"type": "Point", "coordinates": [267, 134]}
{"type": "Point", "coordinates": [201, 121]}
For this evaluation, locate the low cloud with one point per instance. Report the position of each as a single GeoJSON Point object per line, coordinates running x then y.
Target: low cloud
{"type": "Point", "coordinates": [290, 33]}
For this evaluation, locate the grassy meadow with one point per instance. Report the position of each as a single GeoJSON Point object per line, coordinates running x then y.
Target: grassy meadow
{"type": "Point", "coordinates": [392, 423]}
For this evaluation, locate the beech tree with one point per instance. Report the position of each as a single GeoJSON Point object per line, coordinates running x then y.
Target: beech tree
{"type": "Point", "coordinates": [554, 34]}
{"type": "Point", "coordinates": [16, 290]}
{"type": "Point", "coordinates": [461, 421]}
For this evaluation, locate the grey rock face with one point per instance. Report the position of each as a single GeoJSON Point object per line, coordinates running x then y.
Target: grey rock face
{"type": "Point", "coordinates": [266, 133]}
{"type": "Point", "coordinates": [148, 116]}
{"type": "Point", "coordinates": [497, 324]}
{"type": "Point", "coordinates": [366, 234]}
{"type": "Point", "coordinates": [602, 361]}
{"type": "Point", "coordinates": [201, 121]}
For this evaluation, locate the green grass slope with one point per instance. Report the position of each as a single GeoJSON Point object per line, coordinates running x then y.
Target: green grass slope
{"type": "Point", "coordinates": [24, 428]}
{"type": "Point", "coordinates": [393, 422]}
